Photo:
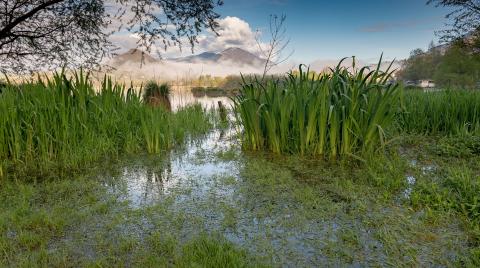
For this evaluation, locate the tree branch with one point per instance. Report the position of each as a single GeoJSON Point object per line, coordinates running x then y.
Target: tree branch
{"type": "Point", "coordinates": [6, 30]}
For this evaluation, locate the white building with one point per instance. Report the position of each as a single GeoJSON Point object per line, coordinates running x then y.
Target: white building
{"type": "Point", "coordinates": [426, 83]}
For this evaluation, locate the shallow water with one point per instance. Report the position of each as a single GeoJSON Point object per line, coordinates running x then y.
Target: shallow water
{"type": "Point", "coordinates": [182, 96]}
{"type": "Point", "coordinates": [194, 181]}
{"type": "Point", "coordinates": [185, 168]}
{"type": "Point", "coordinates": [202, 186]}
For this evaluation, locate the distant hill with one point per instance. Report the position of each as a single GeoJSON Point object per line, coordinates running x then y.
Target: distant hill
{"type": "Point", "coordinates": [234, 56]}
{"type": "Point", "coordinates": [129, 66]}
{"type": "Point", "coordinates": [199, 58]}
{"type": "Point", "coordinates": [133, 56]}
{"type": "Point", "coordinates": [231, 56]}
{"type": "Point", "coordinates": [239, 55]}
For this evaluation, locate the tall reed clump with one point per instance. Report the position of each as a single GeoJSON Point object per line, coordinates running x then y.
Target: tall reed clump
{"type": "Point", "coordinates": [450, 112]}
{"type": "Point", "coordinates": [157, 95]}
{"type": "Point", "coordinates": [62, 123]}
{"type": "Point", "coordinates": [340, 113]}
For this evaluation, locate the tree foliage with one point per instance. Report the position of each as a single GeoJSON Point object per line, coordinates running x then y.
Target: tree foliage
{"type": "Point", "coordinates": [451, 66]}
{"type": "Point", "coordinates": [465, 18]}
{"type": "Point", "coordinates": [458, 68]}
{"type": "Point", "coordinates": [46, 34]}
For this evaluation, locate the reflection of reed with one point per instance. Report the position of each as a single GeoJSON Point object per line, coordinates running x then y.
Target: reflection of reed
{"type": "Point", "coordinates": [198, 92]}
{"type": "Point", "coordinates": [223, 111]}
{"type": "Point", "coordinates": [221, 135]}
{"type": "Point", "coordinates": [157, 177]}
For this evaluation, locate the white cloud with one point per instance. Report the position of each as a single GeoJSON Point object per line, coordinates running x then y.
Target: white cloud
{"type": "Point", "coordinates": [232, 32]}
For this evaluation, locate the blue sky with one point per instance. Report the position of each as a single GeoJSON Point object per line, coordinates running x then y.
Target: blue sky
{"type": "Point", "coordinates": [334, 29]}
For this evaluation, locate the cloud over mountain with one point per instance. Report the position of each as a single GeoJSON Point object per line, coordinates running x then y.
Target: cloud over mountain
{"type": "Point", "coordinates": [232, 32]}
{"type": "Point", "coordinates": [234, 56]}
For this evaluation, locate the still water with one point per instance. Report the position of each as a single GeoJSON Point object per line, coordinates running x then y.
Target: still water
{"type": "Point", "coordinates": [182, 96]}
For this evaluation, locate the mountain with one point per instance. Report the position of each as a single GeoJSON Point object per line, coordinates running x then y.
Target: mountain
{"type": "Point", "coordinates": [202, 57]}
{"type": "Point", "coordinates": [128, 66]}
{"type": "Point", "coordinates": [238, 55]}
{"type": "Point", "coordinates": [132, 56]}
{"type": "Point", "coordinates": [233, 56]}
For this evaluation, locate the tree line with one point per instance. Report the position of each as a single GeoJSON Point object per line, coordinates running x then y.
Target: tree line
{"type": "Point", "coordinates": [452, 65]}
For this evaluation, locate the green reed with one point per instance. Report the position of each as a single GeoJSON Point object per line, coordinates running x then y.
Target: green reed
{"type": "Point", "coordinates": [449, 112]}
{"type": "Point", "coordinates": [64, 123]}
{"type": "Point", "coordinates": [339, 113]}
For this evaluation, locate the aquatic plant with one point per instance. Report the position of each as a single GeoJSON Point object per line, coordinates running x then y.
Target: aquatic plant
{"type": "Point", "coordinates": [342, 112]}
{"type": "Point", "coordinates": [157, 95]}
{"type": "Point", "coordinates": [444, 112]}
{"type": "Point", "coordinates": [62, 123]}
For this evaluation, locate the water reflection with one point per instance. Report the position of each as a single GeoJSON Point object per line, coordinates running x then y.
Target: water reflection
{"type": "Point", "coordinates": [182, 96]}
{"type": "Point", "coordinates": [188, 170]}
{"type": "Point", "coordinates": [156, 180]}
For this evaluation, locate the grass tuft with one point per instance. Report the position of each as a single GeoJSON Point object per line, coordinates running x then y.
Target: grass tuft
{"type": "Point", "coordinates": [157, 95]}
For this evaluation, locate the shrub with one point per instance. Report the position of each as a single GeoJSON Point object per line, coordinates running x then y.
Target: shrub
{"type": "Point", "coordinates": [157, 95]}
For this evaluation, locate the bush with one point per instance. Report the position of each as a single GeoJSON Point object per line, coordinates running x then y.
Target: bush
{"type": "Point", "coordinates": [157, 95]}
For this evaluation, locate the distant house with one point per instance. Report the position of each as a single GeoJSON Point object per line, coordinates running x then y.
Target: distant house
{"type": "Point", "coordinates": [426, 83]}
{"type": "Point", "coordinates": [420, 83]}
{"type": "Point", "coordinates": [410, 83]}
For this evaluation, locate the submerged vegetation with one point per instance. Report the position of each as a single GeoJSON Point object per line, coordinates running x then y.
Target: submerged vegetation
{"type": "Point", "coordinates": [62, 123]}
{"type": "Point", "coordinates": [332, 114]}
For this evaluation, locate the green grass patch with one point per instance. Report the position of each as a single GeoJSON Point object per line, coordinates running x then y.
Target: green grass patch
{"type": "Point", "coordinates": [451, 112]}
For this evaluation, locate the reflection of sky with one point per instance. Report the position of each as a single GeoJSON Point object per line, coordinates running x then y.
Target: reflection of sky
{"type": "Point", "coordinates": [189, 183]}
{"type": "Point", "coordinates": [182, 97]}
{"type": "Point", "coordinates": [192, 170]}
